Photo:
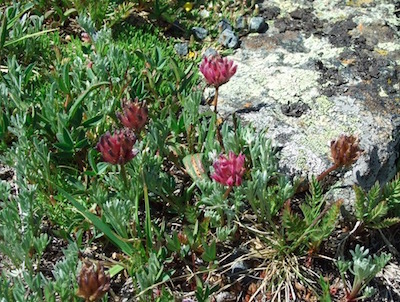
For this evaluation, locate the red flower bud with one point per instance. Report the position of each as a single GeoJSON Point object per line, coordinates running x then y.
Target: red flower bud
{"type": "Point", "coordinates": [93, 282]}
{"type": "Point", "coordinates": [117, 148]}
{"type": "Point", "coordinates": [134, 115]}
{"type": "Point", "coordinates": [345, 150]}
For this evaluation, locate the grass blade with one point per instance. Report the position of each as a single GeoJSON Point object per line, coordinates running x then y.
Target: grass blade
{"type": "Point", "coordinates": [125, 247]}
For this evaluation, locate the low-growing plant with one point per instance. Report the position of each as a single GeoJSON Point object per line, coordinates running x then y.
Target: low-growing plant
{"type": "Point", "coordinates": [380, 206]}
{"type": "Point", "coordinates": [363, 267]}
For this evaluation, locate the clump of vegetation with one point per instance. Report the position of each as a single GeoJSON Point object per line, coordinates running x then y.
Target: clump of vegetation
{"type": "Point", "coordinates": [126, 184]}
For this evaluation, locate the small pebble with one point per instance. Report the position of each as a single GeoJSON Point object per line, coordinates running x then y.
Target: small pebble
{"type": "Point", "coordinates": [240, 23]}
{"type": "Point", "coordinates": [258, 25]}
{"type": "Point", "coordinates": [200, 32]}
{"type": "Point", "coordinates": [182, 49]}
{"type": "Point", "coordinates": [210, 52]}
{"type": "Point", "coordinates": [228, 39]}
{"type": "Point", "coordinates": [223, 24]}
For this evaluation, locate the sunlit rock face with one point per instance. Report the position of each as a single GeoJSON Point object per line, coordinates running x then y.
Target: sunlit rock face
{"type": "Point", "coordinates": [323, 68]}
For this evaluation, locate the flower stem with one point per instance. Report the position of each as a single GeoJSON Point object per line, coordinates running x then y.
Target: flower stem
{"type": "Point", "coordinates": [219, 136]}
{"type": "Point", "coordinates": [215, 101]}
{"type": "Point", "coordinates": [226, 194]}
{"type": "Point", "coordinates": [147, 224]}
{"type": "Point", "coordinates": [326, 172]}
{"type": "Point", "coordinates": [124, 177]}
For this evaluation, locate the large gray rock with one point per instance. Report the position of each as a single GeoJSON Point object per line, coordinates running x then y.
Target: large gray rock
{"type": "Point", "coordinates": [307, 89]}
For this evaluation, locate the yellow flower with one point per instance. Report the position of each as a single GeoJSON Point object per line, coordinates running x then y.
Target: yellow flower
{"type": "Point", "coordinates": [188, 6]}
{"type": "Point", "coordinates": [191, 54]}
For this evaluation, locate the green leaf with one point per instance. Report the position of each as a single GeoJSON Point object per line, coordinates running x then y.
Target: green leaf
{"type": "Point", "coordinates": [210, 252]}
{"type": "Point", "coordinates": [69, 12]}
{"type": "Point", "coordinates": [65, 78]}
{"type": "Point", "coordinates": [67, 138]}
{"type": "Point", "coordinates": [173, 244]}
{"type": "Point", "coordinates": [194, 166]}
{"type": "Point", "coordinates": [385, 223]}
{"type": "Point", "coordinates": [92, 162]}
{"type": "Point", "coordinates": [3, 30]}
{"type": "Point", "coordinates": [80, 99]}
{"type": "Point", "coordinates": [92, 121]}
{"type": "Point", "coordinates": [28, 36]}
{"type": "Point", "coordinates": [28, 73]}
{"type": "Point", "coordinates": [176, 71]}
{"type": "Point", "coordinates": [359, 205]}
{"type": "Point", "coordinates": [378, 212]}
{"type": "Point", "coordinates": [115, 270]}
{"type": "Point", "coordinates": [99, 224]}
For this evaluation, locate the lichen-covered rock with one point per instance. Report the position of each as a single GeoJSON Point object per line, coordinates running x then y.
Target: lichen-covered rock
{"type": "Point", "coordinates": [323, 68]}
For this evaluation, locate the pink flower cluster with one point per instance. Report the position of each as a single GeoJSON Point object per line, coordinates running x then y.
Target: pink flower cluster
{"type": "Point", "coordinates": [229, 171]}
{"type": "Point", "coordinates": [217, 70]}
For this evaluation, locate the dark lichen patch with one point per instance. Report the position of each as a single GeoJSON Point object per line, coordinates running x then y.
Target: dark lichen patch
{"type": "Point", "coordinates": [270, 12]}
{"type": "Point", "coordinates": [292, 41]}
{"type": "Point", "coordinates": [339, 34]}
{"type": "Point", "coordinates": [296, 109]}
{"type": "Point", "coordinates": [300, 20]}
{"type": "Point", "coordinates": [360, 72]}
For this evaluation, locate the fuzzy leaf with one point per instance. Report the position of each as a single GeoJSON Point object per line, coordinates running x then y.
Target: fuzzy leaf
{"type": "Point", "coordinates": [194, 167]}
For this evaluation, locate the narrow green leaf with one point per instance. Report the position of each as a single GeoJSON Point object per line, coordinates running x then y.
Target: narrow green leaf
{"type": "Point", "coordinates": [3, 30]}
{"type": "Point", "coordinates": [67, 139]}
{"type": "Point", "coordinates": [65, 79]}
{"type": "Point", "coordinates": [80, 99]}
{"type": "Point", "coordinates": [91, 159]}
{"type": "Point", "coordinates": [28, 36]}
{"type": "Point", "coordinates": [99, 224]}
{"type": "Point", "coordinates": [176, 71]}
{"type": "Point", "coordinates": [23, 10]}
{"type": "Point", "coordinates": [69, 12]}
{"type": "Point", "coordinates": [28, 73]}
{"type": "Point", "coordinates": [385, 223]}
{"type": "Point", "coordinates": [378, 212]}
{"type": "Point", "coordinates": [92, 121]}
{"type": "Point", "coordinates": [115, 270]}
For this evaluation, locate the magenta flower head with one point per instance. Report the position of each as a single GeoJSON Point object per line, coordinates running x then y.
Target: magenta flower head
{"type": "Point", "coordinates": [117, 148]}
{"type": "Point", "coordinates": [134, 115]}
{"type": "Point", "coordinates": [229, 171]}
{"type": "Point", "coordinates": [217, 70]}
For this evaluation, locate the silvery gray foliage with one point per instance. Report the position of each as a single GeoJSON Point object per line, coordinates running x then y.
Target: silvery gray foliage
{"type": "Point", "coordinates": [364, 267]}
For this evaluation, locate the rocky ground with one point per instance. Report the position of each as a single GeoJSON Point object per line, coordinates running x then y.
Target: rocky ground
{"type": "Point", "coordinates": [323, 68]}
